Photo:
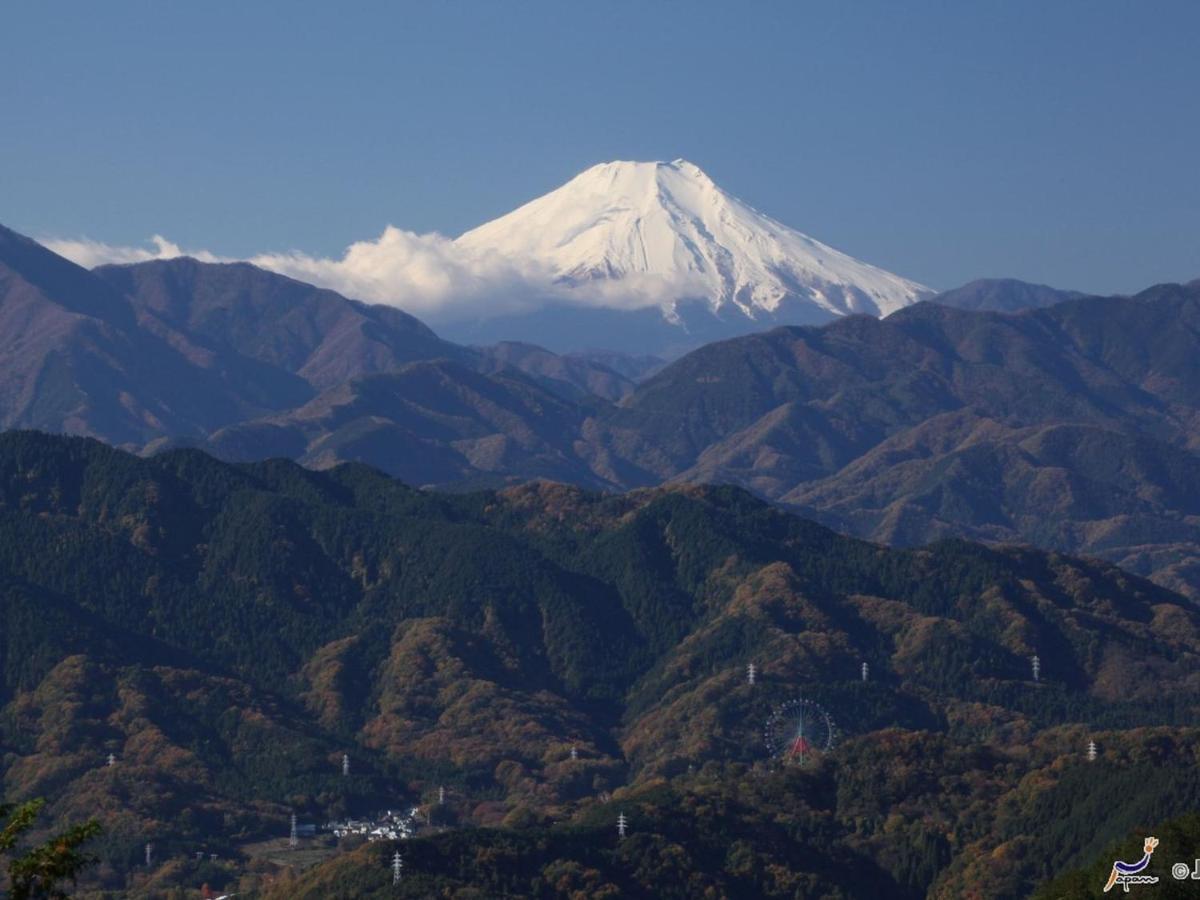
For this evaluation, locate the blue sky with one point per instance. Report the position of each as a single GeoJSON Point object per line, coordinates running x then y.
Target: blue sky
{"type": "Point", "coordinates": [1052, 141]}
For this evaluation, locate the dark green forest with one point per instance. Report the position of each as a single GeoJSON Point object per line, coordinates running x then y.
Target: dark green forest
{"type": "Point", "coordinates": [226, 632]}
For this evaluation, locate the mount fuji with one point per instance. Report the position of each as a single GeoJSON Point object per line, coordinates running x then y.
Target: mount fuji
{"type": "Point", "coordinates": [655, 257]}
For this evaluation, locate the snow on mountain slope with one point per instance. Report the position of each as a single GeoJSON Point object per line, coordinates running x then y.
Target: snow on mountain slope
{"type": "Point", "coordinates": [655, 233]}
{"type": "Point", "coordinates": [636, 257]}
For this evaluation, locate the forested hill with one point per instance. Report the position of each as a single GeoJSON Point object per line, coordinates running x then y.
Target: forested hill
{"type": "Point", "coordinates": [1070, 423]}
{"type": "Point", "coordinates": [227, 632]}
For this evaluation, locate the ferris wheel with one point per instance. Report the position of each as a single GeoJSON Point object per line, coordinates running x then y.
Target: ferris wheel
{"type": "Point", "coordinates": [799, 732]}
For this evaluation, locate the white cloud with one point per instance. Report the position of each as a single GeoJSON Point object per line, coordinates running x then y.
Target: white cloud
{"type": "Point", "coordinates": [89, 253]}
{"type": "Point", "coordinates": [428, 275]}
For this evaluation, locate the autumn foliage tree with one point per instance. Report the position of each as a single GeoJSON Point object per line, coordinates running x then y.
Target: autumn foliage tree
{"type": "Point", "coordinates": [37, 872]}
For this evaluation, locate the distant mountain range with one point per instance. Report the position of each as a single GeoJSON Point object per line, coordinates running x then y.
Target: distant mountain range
{"type": "Point", "coordinates": [1071, 426]}
{"type": "Point", "coordinates": [177, 348]}
{"type": "Point", "coordinates": [1003, 295]}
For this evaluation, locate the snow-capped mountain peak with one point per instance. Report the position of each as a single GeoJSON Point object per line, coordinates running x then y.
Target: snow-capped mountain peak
{"type": "Point", "coordinates": [669, 223]}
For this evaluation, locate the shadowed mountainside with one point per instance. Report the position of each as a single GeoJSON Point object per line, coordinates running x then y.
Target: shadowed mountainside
{"type": "Point", "coordinates": [1072, 426]}
{"type": "Point", "coordinates": [238, 311]}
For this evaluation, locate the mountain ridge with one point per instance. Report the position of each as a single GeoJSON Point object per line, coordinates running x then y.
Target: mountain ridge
{"type": "Point", "coordinates": [1072, 426]}
{"type": "Point", "coordinates": [1003, 295]}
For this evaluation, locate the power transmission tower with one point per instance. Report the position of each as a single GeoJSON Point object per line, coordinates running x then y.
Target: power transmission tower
{"type": "Point", "coordinates": [622, 824]}
{"type": "Point", "coordinates": [149, 855]}
{"type": "Point", "coordinates": [1037, 667]}
{"type": "Point", "coordinates": [345, 764]}
{"type": "Point", "coordinates": [111, 761]}
{"type": "Point", "coordinates": [294, 839]}
{"type": "Point", "coordinates": [574, 753]}
{"type": "Point", "coordinates": [866, 671]}
{"type": "Point", "coordinates": [751, 672]}
{"type": "Point", "coordinates": [397, 867]}
{"type": "Point", "coordinates": [1091, 754]}
{"type": "Point", "coordinates": [441, 795]}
